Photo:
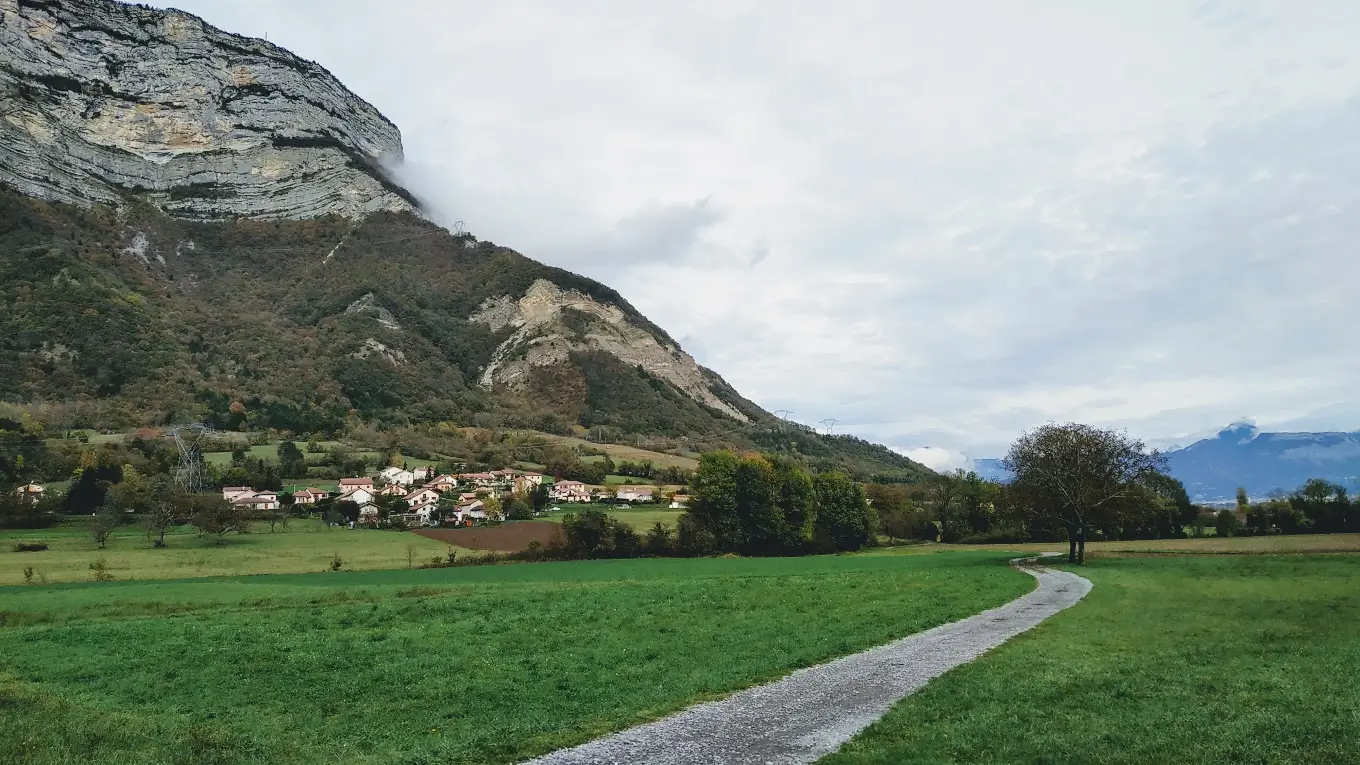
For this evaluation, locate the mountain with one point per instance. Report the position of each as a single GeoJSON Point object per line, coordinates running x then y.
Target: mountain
{"type": "Point", "coordinates": [1263, 463]}
{"type": "Point", "coordinates": [98, 99]}
{"type": "Point", "coordinates": [196, 225]}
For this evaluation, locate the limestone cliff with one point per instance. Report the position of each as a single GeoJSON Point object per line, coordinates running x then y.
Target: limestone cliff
{"type": "Point", "coordinates": [99, 99]}
{"type": "Point", "coordinates": [549, 323]}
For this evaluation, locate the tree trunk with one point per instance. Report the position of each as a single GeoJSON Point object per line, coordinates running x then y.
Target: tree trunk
{"type": "Point", "coordinates": [1081, 544]}
{"type": "Point", "coordinates": [1071, 544]}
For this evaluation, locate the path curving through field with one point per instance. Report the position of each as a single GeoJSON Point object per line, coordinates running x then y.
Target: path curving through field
{"type": "Point", "coordinates": [813, 711]}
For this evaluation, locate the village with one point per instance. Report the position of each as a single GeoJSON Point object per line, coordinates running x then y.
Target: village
{"type": "Point", "coordinates": [412, 497]}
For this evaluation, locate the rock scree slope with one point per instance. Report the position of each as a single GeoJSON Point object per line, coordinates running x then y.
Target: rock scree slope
{"type": "Point", "coordinates": [810, 713]}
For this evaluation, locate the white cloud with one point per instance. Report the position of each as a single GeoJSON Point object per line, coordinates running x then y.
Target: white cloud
{"type": "Point", "coordinates": [935, 458]}
{"type": "Point", "coordinates": [939, 222]}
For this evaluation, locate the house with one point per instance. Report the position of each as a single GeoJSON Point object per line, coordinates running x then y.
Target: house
{"type": "Point", "coordinates": [483, 480]}
{"type": "Point", "coordinates": [392, 490]}
{"type": "Point", "coordinates": [467, 496]}
{"type": "Point", "coordinates": [354, 483]}
{"type": "Point", "coordinates": [474, 510]}
{"type": "Point", "coordinates": [632, 494]}
{"type": "Point", "coordinates": [426, 513]}
{"type": "Point", "coordinates": [309, 496]}
{"type": "Point", "coordinates": [30, 492]}
{"type": "Point", "coordinates": [570, 491]}
{"type": "Point", "coordinates": [396, 475]}
{"type": "Point", "coordinates": [527, 482]}
{"type": "Point", "coordinates": [422, 497]}
{"type": "Point", "coordinates": [442, 483]}
{"type": "Point", "coordinates": [359, 495]}
{"type": "Point", "coordinates": [368, 514]}
{"type": "Point", "coordinates": [679, 502]}
{"type": "Point", "coordinates": [422, 473]}
{"type": "Point", "coordinates": [265, 500]}
{"type": "Point", "coordinates": [231, 493]}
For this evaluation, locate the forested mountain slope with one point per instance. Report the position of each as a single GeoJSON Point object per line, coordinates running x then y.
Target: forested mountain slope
{"type": "Point", "coordinates": [195, 225]}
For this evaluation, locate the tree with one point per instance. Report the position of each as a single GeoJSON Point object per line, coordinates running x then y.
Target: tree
{"type": "Point", "coordinates": [1226, 523]}
{"type": "Point", "coordinates": [292, 462]}
{"type": "Point", "coordinates": [1080, 476]}
{"type": "Point", "coordinates": [217, 517]}
{"type": "Point", "coordinates": [105, 521]}
{"type": "Point", "coordinates": [163, 513]}
{"type": "Point", "coordinates": [844, 520]}
{"type": "Point", "coordinates": [940, 494]}
{"type": "Point", "coordinates": [1243, 504]}
{"type": "Point", "coordinates": [518, 510]}
{"type": "Point", "coordinates": [492, 507]}
{"type": "Point", "coordinates": [539, 498]}
{"type": "Point", "coordinates": [658, 540]}
{"type": "Point", "coordinates": [713, 503]}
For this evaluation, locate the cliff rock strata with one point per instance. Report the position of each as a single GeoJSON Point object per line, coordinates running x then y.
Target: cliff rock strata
{"type": "Point", "coordinates": [549, 323]}
{"type": "Point", "coordinates": [99, 99]}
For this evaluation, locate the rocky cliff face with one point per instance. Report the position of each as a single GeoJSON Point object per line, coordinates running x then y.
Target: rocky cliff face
{"type": "Point", "coordinates": [550, 323]}
{"type": "Point", "coordinates": [99, 99]}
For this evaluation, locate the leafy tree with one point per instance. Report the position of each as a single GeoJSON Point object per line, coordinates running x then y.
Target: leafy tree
{"type": "Point", "coordinates": [1080, 476]}
{"type": "Point", "coordinates": [347, 509]}
{"type": "Point", "coordinates": [658, 541]}
{"type": "Point", "coordinates": [713, 501]}
{"type": "Point", "coordinates": [518, 510]}
{"type": "Point", "coordinates": [940, 494]}
{"type": "Point", "coordinates": [492, 507]}
{"type": "Point", "coordinates": [539, 498]}
{"type": "Point", "coordinates": [1226, 523]}
{"type": "Point", "coordinates": [160, 516]}
{"type": "Point", "coordinates": [292, 462]}
{"type": "Point", "coordinates": [217, 517]}
{"type": "Point", "coordinates": [105, 521]}
{"type": "Point", "coordinates": [844, 520]}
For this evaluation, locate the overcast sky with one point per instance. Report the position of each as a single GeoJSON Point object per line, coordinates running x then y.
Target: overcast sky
{"type": "Point", "coordinates": [940, 223]}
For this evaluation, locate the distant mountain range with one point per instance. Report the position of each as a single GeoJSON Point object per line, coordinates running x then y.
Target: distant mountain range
{"type": "Point", "coordinates": [1241, 455]}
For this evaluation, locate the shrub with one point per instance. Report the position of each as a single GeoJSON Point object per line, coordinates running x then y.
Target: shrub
{"type": "Point", "coordinates": [30, 547]}
{"type": "Point", "coordinates": [337, 562]}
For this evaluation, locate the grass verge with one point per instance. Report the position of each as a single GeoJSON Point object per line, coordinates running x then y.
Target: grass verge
{"type": "Point", "coordinates": [1225, 659]}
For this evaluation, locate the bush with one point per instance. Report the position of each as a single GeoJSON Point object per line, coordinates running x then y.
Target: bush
{"type": "Point", "coordinates": [30, 547]}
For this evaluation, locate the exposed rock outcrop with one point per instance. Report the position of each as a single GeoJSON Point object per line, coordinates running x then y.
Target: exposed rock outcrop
{"type": "Point", "coordinates": [550, 322]}
{"type": "Point", "coordinates": [99, 98]}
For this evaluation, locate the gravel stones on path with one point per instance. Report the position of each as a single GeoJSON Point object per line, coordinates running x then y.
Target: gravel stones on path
{"type": "Point", "coordinates": [813, 711]}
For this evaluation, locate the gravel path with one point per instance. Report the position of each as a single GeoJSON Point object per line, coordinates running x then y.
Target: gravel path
{"type": "Point", "coordinates": [813, 711]}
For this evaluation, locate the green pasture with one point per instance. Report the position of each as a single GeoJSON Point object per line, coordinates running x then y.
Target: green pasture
{"type": "Point", "coordinates": [489, 664]}
{"type": "Point", "coordinates": [303, 545]}
{"type": "Point", "coordinates": [1214, 659]}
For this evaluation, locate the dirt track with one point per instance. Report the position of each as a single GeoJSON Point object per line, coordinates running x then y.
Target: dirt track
{"type": "Point", "coordinates": [508, 537]}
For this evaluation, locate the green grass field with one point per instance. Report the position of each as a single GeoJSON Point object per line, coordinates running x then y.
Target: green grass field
{"type": "Point", "coordinates": [640, 517]}
{"type": "Point", "coordinates": [1215, 659]}
{"type": "Point", "coordinates": [491, 664]}
{"type": "Point", "coordinates": [305, 546]}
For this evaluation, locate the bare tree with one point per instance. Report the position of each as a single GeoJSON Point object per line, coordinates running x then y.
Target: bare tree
{"type": "Point", "coordinates": [1080, 476]}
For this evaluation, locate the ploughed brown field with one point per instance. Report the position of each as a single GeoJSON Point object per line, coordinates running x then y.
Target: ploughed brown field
{"type": "Point", "coordinates": [509, 537]}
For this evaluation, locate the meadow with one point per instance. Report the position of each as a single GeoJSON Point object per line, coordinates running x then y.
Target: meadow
{"type": "Point", "coordinates": [304, 545]}
{"type": "Point", "coordinates": [490, 664]}
{"type": "Point", "coordinates": [1214, 659]}
{"type": "Point", "coordinates": [640, 517]}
